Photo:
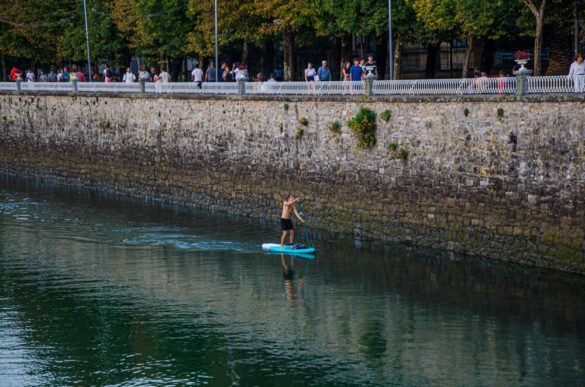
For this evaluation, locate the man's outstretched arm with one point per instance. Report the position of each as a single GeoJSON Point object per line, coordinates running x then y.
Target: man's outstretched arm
{"type": "Point", "coordinates": [291, 202]}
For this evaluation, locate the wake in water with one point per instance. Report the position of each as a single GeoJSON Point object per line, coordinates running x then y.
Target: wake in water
{"type": "Point", "coordinates": [160, 236]}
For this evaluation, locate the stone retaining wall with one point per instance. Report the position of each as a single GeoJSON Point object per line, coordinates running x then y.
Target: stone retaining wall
{"type": "Point", "coordinates": [502, 177]}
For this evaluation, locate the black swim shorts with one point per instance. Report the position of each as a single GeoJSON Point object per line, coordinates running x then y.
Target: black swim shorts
{"type": "Point", "coordinates": [286, 224]}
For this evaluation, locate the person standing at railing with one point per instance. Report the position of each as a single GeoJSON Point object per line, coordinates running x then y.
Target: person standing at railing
{"type": "Point", "coordinates": [108, 74]}
{"type": "Point", "coordinates": [14, 73]}
{"type": "Point", "coordinates": [52, 76]}
{"type": "Point", "coordinates": [309, 73]}
{"type": "Point", "coordinates": [197, 75]}
{"type": "Point", "coordinates": [164, 77]}
{"type": "Point", "coordinates": [324, 73]}
{"type": "Point", "coordinates": [43, 77]}
{"type": "Point", "coordinates": [370, 66]}
{"type": "Point", "coordinates": [153, 74]}
{"type": "Point", "coordinates": [65, 75]}
{"type": "Point", "coordinates": [356, 72]}
{"type": "Point", "coordinates": [577, 73]}
{"type": "Point", "coordinates": [143, 74]}
{"type": "Point", "coordinates": [30, 76]}
{"type": "Point", "coordinates": [210, 73]}
{"type": "Point", "coordinates": [502, 82]}
{"type": "Point", "coordinates": [129, 76]}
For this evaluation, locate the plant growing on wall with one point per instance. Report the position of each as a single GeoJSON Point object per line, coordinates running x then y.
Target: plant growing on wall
{"type": "Point", "coordinates": [299, 133]}
{"type": "Point", "coordinates": [403, 154]}
{"type": "Point", "coordinates": [304, 121]}
{"type": "Point", "coordinates": [500, 113]}
{"type": "Point", "coordinates": [386, 115]}
{"type": "Point", "coordinates": [466, 112]}
{"type": "Point", "coordinates": [363, 126]}
{"type": "Point", "coordinates": [335, 127]}
{"type": "Point", "coordinates": [393, 147]}
{"type": "Point", "coordinates": [286, 107]}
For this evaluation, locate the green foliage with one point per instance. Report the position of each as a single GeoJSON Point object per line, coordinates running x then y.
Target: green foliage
{"type": "Point", "coordinates": [500, 113]}
{"type": "Point", "coordinates": [280, 127]}
{"type": "Point", "coordinates": [386, 115]}
{"type": "Point", "coordinates": [335, 127]}
{"type": "Point", "coordinates": [403, 154]}
{"type": "Point", "coordinates": [304, 121]}
{"type": "Point", "coordinates": [466, 112]}
{"type": "Point", "coordinates": [393, 146]}
{"type": "Point", "coordinates": [363, 126]}
{"type": "Point", "coordinates": [4, 118]}
{"type": "Point", "coordinates": [108, 124]}
{"type": "Point", "coordinates": [417, 142]}
{"type": "Point", "coordinates": [299, 133]}
{"type": "Point", "coordinates": [286, 107]}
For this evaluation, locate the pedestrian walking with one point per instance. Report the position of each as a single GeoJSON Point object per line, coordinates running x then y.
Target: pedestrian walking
{"type": "Point", "coordinates": [577, 73]}
{"type": "Point", "coordinates": [197, 76]}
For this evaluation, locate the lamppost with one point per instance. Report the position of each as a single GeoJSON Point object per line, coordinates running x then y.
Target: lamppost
{"type": "Point", "coordinates": [216, 60]}
{"type": "Point", "coordinates": [390, 48]}
{"type": "Point", "coordinates": [87, 41]}
{"type": "Point", "coordinates": [575, 4]}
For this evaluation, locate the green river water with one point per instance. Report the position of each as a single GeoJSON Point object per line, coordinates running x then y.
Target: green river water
{"type": "Point", "coordinates": [102, 290]}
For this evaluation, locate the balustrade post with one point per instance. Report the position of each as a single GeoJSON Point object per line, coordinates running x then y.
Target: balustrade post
{"type": "Point", "coordinates": [18, 85]}
{"type": "Point", "coordinates": [242, 86]}
{"type": "Point", "coordinates": [370, 84]}
{"type": "Point", "coordinates": [74, 82]}
{"type": "Point", "coordinates": [142, 86]}
{"type": "Point", "coordinates": [521, 84]}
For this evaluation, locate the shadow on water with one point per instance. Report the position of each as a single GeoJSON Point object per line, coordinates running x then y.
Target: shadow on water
{"type": "Point", "coordinates": [101, 289]}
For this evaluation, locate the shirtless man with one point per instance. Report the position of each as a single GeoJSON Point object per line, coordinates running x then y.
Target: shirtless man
{"type": "Point", "coordinates": [285, 220]}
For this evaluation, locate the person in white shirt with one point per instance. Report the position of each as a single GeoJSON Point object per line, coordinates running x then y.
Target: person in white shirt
{"type": "Point", "coordinates": [197, 76]}
{"type": "Point", "coordinates": [30, 76]}
{"type": "Point", "coordinates": [129, 76]}
{"type": "Point", "coordinates": [577, 72]}
{"type": "Point", "coordinates": [164, 77]}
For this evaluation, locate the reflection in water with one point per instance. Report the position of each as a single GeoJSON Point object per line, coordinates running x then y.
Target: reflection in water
{"type": "Point", "coordinates": [295, 288]}
{"type": "Point", "coordinates": [101, 290]}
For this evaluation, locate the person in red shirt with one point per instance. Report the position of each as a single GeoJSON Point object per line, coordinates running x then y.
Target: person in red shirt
{"type": "Point", "coordinates": [14, 73]}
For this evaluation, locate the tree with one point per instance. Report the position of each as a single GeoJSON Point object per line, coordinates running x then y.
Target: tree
{"type": "Point", "coordinates": [155, 29]}
{"type": "Point", "coordinates": [537, 8]}
{"type": "Point", "coordinates": [286, 18]}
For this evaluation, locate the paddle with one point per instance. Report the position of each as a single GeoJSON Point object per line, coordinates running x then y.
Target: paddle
{"type": "Point", "coordinates": [306, 233]}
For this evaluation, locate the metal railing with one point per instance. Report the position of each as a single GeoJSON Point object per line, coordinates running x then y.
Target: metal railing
{"type": "Point", "coordinates": [551, 84]}
{"type": "Point", "coordinates": [469, 86]}
{"type": "Point", "coordinates": [306, 88]}
{"type": "Point", "coordinates": [446, 86]}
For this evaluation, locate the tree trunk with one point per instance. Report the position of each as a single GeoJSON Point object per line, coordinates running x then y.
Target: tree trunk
{"type": "Point", "coordinates": [4, 68]}
{"type": "Point", "coordinates": [468, 52]}
{"type": "Point", "coordinates": [488, 55]}
{"type": "Point", "coordinates": [538, 44]}
{"type": "Point", "coordinates": [560, 49]}
{"type": "Point", "coordinates": [245, 50]}
{"type": "Point", "coordinates": [288, 41]}
{"type": "Point", "coordinates": [432, 51]}
{"type": "Point", "coordinates": [397, 57]}
{"type": "Point", "coordinates": [382, 55]}
{"type": "Point", "coordinates": [345, 50]}
{"type": "Point", "coordinates": [333, 58]}
{"type": "Point", "coordinates": [268, 63]}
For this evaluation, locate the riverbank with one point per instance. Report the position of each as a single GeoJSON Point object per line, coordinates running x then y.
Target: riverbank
{"type": "Point", "coordinates": [500, 177]}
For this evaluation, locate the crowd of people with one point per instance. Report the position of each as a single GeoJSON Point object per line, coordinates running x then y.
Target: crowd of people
{"type": "Point", "coordinates": [358, 71]}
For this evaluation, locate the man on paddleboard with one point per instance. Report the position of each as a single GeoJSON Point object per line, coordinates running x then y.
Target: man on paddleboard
{"type": "Point", "coordinates": [285, 220]}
